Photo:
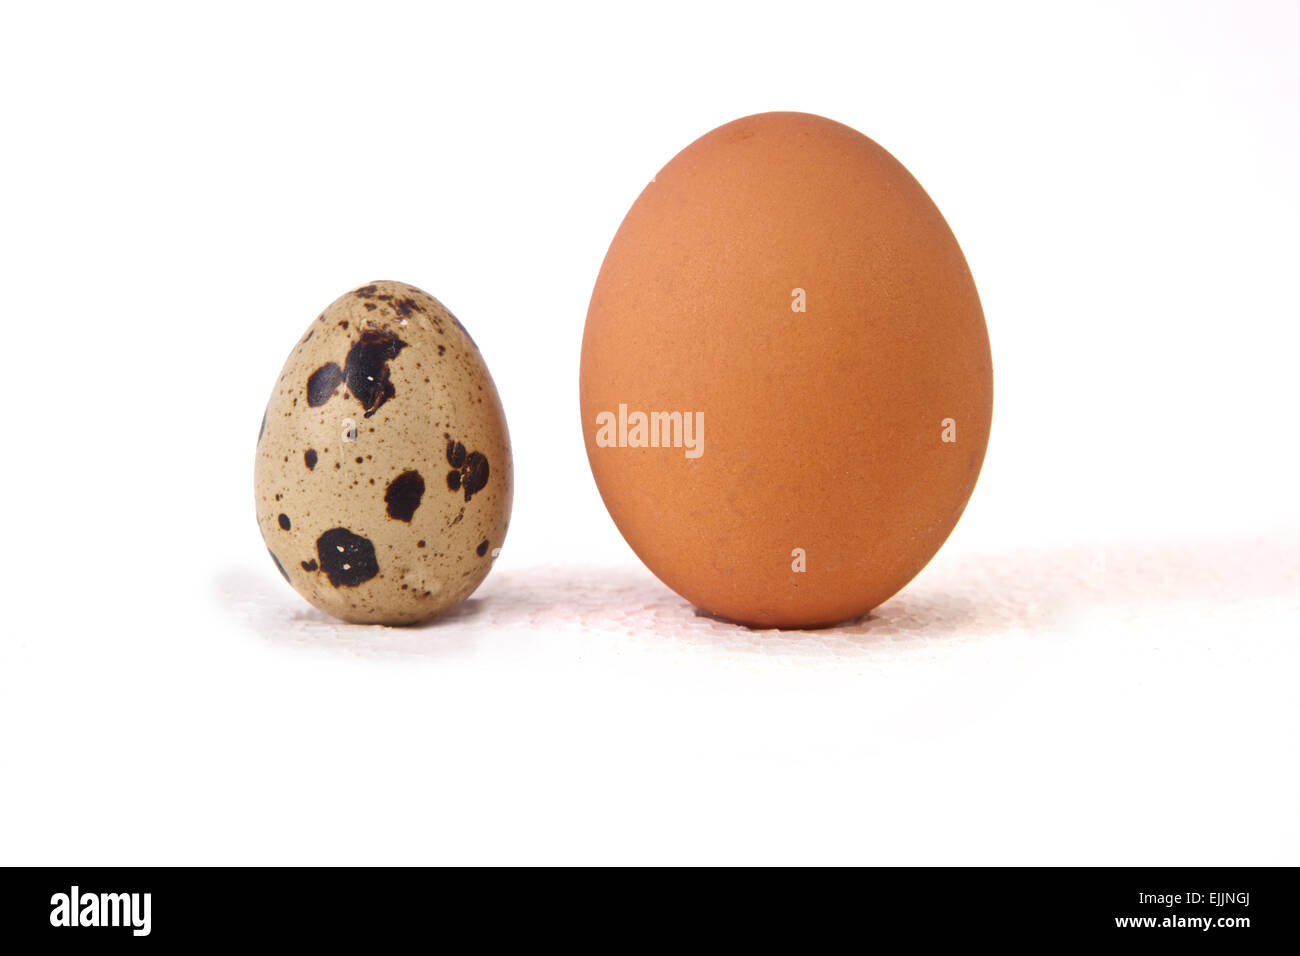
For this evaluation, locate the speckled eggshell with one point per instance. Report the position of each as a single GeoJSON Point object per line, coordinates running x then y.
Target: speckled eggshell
{"type": "Point", "coordinates": [384, 478]}
{"type": "Point", "coordinates": [788, 280]}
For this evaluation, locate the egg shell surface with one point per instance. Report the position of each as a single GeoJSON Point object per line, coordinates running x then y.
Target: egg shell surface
{"type": "Point", "coordinates": [790, 289]}
{"type": "Point", "coordinates": [383, 476]}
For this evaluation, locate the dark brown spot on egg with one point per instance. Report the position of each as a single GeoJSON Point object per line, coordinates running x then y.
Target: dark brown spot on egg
{"type": "Point", "coordinates": [366, 291]}
{"type": "Point", "coordinates": [403, 495]}
{"type": "Point", "coordinates": [284, 522]}
{"type": "Point", "coordinates": [322, 384]}
{"type": "Point", "coordinates": [475, 474]}
{"type": "Point", "coordinates": [310, 565]}
{"type": "Point", "coordinates": [348, 559]}
{"type": "Point", "coordinates": [405, 307]}
{"type": "Point", "coordinates": [309, 458]}
{"type": "Point", "coordinates": [471, 470]}
{"type": "Point", "coordinates": [482, 547]}
{"type": "Point", "coordinates": [367, 367]}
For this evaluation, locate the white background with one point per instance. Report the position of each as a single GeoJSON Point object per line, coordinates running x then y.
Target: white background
{"type": "Point", "coordinates": [1099, 667]}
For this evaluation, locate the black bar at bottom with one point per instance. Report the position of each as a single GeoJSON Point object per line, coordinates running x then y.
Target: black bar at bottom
{"type": "Point", "coordinates": [1223, 907]}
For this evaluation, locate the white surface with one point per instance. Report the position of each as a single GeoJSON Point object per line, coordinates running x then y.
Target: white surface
{"type": "Point", "coordinates": [1098, 668]}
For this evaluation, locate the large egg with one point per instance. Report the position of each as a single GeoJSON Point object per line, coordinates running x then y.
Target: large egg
{"type": "Point", "coordinates": [786, 385]}
{"type": "Point", "coordinates": [383, 476]}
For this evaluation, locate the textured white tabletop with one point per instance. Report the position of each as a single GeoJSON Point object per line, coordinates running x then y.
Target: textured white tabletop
{"type": "Point", "coordinates": [1102, 705]}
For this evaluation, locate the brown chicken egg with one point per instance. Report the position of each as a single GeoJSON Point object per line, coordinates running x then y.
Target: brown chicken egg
{"type": "Point", "coordinates": [786, 385]}
{"type": "Point", "coordinates": [383, 477]}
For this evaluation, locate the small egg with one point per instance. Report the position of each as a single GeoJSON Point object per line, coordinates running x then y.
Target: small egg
{"type": "Point", "coordinates": [384, 477]}
{"type": "Point", "coordinates": [786, 383]}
